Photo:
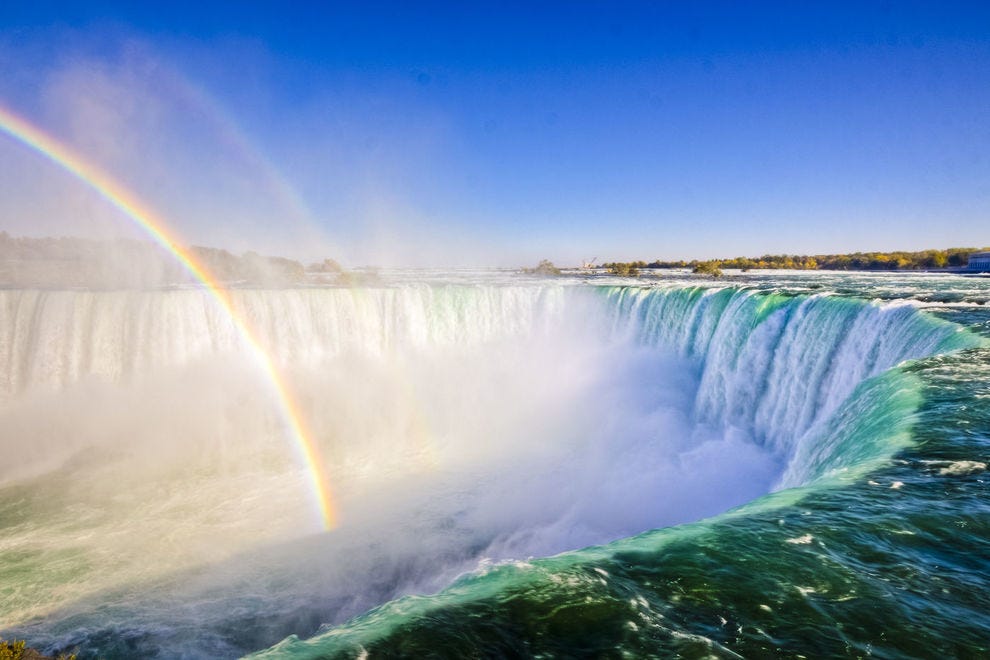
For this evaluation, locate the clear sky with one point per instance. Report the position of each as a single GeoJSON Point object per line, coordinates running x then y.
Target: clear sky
{"type": "Point", "coordinates": [501, 133]}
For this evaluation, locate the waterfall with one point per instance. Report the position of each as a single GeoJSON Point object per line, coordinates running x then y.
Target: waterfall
{"type": "Point", "coordinates": [457, 423]}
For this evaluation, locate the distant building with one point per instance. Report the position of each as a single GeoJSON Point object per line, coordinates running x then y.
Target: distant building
{"type": "Point", "coordinates": [979, 261]}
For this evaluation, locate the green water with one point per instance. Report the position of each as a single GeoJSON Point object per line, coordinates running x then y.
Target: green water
{"type": "Point", "coordinates": [890, 564]}
{"type": "Point", "coordinates": [884, 553]}
{"type": "Point", "coordinates": [869, 396]}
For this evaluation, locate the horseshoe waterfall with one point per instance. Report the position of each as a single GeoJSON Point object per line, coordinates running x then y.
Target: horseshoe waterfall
{"type": "Point", "coordinates": [520, 466]}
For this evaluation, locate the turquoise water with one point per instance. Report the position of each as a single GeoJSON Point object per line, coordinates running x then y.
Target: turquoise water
{"type": "Point", "coordinates": [822, 440]}
{"type": "Point", "coordinates": [886, 558]}
{"type": "Point", "coordinates": [892, 565]}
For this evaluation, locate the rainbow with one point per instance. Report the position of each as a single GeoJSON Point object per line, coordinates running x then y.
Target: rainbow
{"type": "Point", "coordinates": [118, 196]}
{"type": "Point", "coordinates": [226, 129]}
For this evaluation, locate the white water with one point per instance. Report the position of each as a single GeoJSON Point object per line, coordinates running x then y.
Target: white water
{"type": "Point", "coordinates": [147, 474]}
{"type": "Point", "coordinates": [780, 367]}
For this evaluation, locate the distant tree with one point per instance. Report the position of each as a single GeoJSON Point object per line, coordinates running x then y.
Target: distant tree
{"type": "Point", "coordinates": [708, 268]}
{"type": "Point", "coordinates": [621, 269]}
{"type": "Point", "coordinates": [935, 259]}
{"type": "Point", "coordinates": [545, 267]}
{"type": "Point", "coordinates": [325, 266]}
{"type": "Point", "coordinates": [287, 269]}
{"type": "Point", "coordinates": [18, 650]}
{"type": "Point", "coordinates": [666, 264]}
{"type": "Point", "coordinates": [12, 650]}
{"type": "Point", "coordinates": [959, 256]}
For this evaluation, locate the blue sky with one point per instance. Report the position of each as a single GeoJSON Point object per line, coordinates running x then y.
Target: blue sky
{"type": "Point", "coordinates": [500, 133]}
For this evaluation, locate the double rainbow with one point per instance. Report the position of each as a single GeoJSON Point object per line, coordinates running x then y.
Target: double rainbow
{"type": "Point", "coordinates": [124, 200]}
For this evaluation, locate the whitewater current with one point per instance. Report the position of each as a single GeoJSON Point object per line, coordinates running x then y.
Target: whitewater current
{"type": "Point", "coordinates": [773, 463]}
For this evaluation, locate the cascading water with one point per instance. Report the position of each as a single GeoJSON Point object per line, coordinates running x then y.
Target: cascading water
{"type": "Point", "coordinates": [150, 501]}
{"type": "Point", "coordinates": [779, 367]}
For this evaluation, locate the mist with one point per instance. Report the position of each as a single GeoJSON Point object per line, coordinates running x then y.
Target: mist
{"type": "Point", "coordinates": [480, 427]}
{"type": "Point", "coordinates": [347, 176]}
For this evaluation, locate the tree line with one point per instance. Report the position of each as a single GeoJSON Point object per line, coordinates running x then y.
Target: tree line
{"type": "Point", "coordinates": [924, 260]}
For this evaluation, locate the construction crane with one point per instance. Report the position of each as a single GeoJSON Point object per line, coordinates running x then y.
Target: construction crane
{"type": "Point", "coordinates": [588, 265]}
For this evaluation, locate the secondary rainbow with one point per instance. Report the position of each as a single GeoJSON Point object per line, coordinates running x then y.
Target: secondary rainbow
{"type": "Point", "coordinates": [111, 190]}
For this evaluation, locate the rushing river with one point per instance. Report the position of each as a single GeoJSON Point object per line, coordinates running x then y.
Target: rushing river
{"type": "Point", "coordinates": [788, 463]}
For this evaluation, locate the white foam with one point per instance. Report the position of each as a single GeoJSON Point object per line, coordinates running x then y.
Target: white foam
{"type": "Point", "coordinates": [963, 468]}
